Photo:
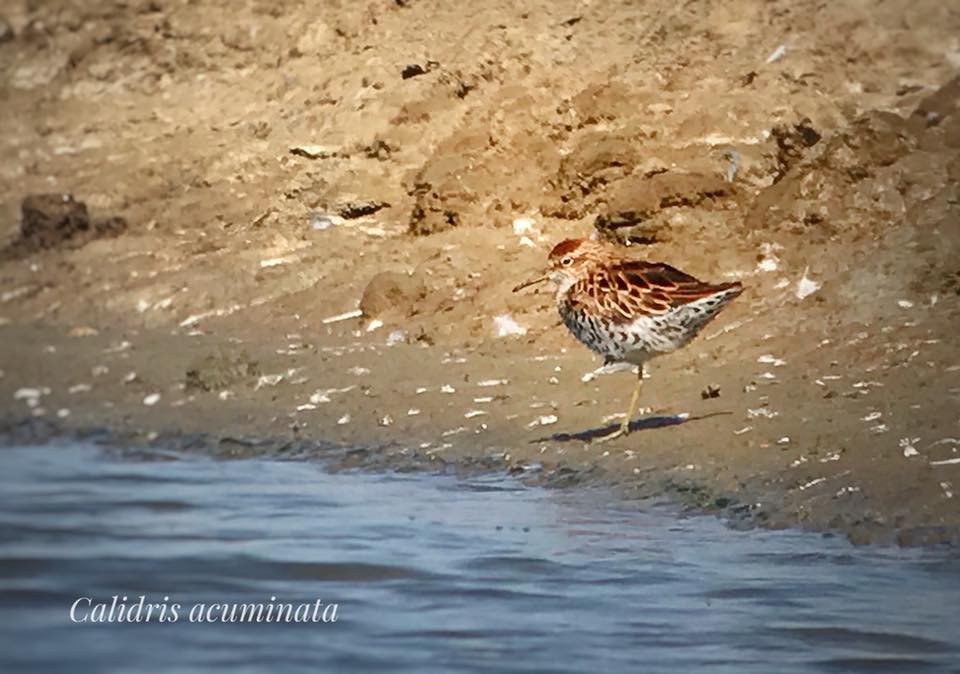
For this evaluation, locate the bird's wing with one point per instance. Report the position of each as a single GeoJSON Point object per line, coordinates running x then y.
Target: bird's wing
{"type": "Point", "coordinates": [627, 290]}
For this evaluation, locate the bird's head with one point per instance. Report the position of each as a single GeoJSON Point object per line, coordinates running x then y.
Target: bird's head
{"type": "Point", "coordinates": [570, 260]}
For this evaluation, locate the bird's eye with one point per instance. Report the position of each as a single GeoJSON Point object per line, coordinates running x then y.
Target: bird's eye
{"type": "Point", "coordinates": [567, 261]}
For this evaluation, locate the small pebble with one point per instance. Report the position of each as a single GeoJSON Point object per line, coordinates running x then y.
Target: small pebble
{"type": "Point", "coordinates": [545, 420]}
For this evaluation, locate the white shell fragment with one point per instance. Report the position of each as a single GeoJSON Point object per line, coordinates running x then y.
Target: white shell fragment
{"type": "Point", "coordinates": [275, 262]}
{"type": "Point", "coordinates": [323, 395]}
{"type": "Point", "coordinates": [806, 286]}
{"type": "Point", "coordinates": [505, 326]}
{"type": "Point", "coordinates": [545, 420]}
{"type": "Point", "coordinates": [151, 399]}
{"type": "Point", "coordinates": [320, 221]}
{"type": "Point", "coordinates": [762, 412]}
{"type": "Point", "coordinates": [29, 393]}
{"type": "Point", "coordinates": [908, 446]}
{"type": "Point", "coordinates": [777, 54]}
{"type": "Point", "coordinates": [345, 316]}
{"type": "Point", "coordinates": [733, 164]}
{"type": "Point", "coordinates": [312, 151]}
{"type": "Point", "coordinates": [608, 369]}
{"type": "Point", "coordinates": [770, 261]}
{"type": "Point", "coordinates": [523, 226]}
{"type": "Point", "coordinates": [268, 380]}
{"type": "Point", "coordinates": [812, 483]}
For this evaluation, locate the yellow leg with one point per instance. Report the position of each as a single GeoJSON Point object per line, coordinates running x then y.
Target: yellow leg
{"type": "Point", "coordinates": [634, 399]}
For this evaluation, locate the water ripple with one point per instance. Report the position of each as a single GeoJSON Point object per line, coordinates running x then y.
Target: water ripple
{"type": "Point", "coordinates": [433, 574]}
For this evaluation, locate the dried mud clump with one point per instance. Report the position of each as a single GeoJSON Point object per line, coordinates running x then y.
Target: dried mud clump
{"type": "Point", "coordinates": [58, 220]}
{"type": "Point", "coordinates": [637, 208]}
{"type": "Point", "coordinates": [391, 293]}
{"type": "Point", "coordinates": [849, 174]}
{"type": "Point", "coordinates": [474, 175]}
{"type": "Point", "coordinates": [598, 160]}
{"type": "Point", "coordinates": [604, 102]}
{"type": "Point", "coordinates": [445, 187]}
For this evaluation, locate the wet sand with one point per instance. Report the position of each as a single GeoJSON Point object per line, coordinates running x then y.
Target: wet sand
{"type": "Point", "coordinates": [837, 370]}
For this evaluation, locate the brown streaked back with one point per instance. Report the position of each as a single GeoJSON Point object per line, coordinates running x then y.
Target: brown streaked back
{"type": "Point", "coordinates": [629, 289]}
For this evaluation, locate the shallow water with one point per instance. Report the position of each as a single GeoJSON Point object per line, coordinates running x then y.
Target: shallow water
{"type": "Point", "coordinates": [434, 574]}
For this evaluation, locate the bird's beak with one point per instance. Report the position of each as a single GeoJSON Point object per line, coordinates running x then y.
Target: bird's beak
{"type": "Point", "coordinates": [531, 282]}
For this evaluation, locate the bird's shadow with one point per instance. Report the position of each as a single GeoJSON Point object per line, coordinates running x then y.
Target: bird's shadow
{"type": "Point", "coordinates": [647, 423]}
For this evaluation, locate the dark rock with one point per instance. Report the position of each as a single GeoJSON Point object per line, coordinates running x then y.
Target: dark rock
{"type": "Point", "coordinates": [710, 392]}
{"type": "Point", "coordinates": [415, 69]}
{"type": "Point", "coordinates": [58, 220]}
{"type": "Point", "coordinates": [49, 219]}
{"type": "Point", "coordinates": [379, 149]}
{"type": "Point", "coordinates": [350, 210]}
{"type": "Point", "coordinates": [412, 70]}
{"type": "Point", "coordinates": [792, 142]}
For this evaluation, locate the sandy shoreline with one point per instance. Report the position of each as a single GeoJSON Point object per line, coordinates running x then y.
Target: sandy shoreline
{"type": "Point", "coordinates": [275, 169]}
{"type": "Point", "coordinates": [419, 407]}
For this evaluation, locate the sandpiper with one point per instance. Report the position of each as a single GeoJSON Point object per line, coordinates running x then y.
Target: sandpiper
{"type": "Point", "coordinates": [629, 310]}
